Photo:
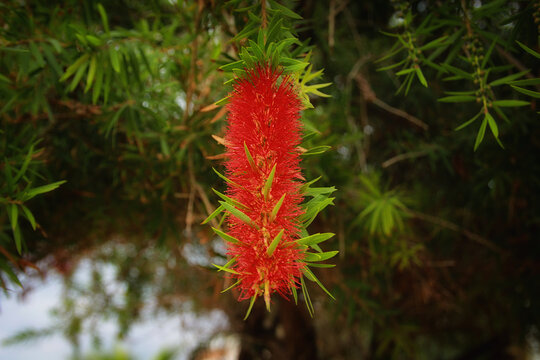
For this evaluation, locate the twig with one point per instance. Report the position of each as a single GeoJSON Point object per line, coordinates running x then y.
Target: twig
{"type": "Point", "coordinates": [263, 14]}
{"type": "Point", "coordinates": [414, 120]}
{"type": "Point", "coordinates": [400, 157]}
{"type": "Point", "coordinates": [194, 57]}
{"type": "Point", "coordinates": [331, 23]}
{"type": "Point", "coordinates": [451, 226]}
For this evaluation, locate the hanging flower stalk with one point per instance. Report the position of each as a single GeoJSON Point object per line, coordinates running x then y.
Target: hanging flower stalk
{"type": "Point", "coordinates": [263, 167]}
{"type": "Point", "coordinates": [266, 218]}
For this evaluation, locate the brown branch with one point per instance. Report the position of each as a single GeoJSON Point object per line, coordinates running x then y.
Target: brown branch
{"type": "Point", "coordinates": [405, 156]}
{"type": "Point", "coordinates": [191, 85]}
{"type": "Point", "coordinates": [412, 119]}
{"type": "Point", "coordinates": [454, 227]}
{"type": "Point", "coordinates": [263, 14]}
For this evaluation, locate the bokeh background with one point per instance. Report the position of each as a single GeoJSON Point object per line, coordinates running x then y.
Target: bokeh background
{"type": "Point", "coordinates": [439, 252]}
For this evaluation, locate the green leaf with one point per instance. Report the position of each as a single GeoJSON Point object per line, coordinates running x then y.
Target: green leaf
{"type": "Point", "coordinates": [73, 67]}
{"type": "Point", "coordinates": [29, 216]}
{"type": "Point", "coordinates": [404, 72]}
{"type": "Point", "coordinates": [274, 31]}
{"type": "Point", "coordinates": [229, 263]}
{"type": "Point", "coordinates": [315, 257]}
{"type": "Point", "coordinates": [481, 133]}
{"type": "Point", "coordinates": [268, 182]}
{"type": "Point", "coordinates": [18, 239]}
{"type": "Point", "coordinates": [529, 50]}
{"type": "Point", "coordinates": [527, 92]}
{"type": "Point", "coordinates": [13, 216]}
{"type": "Point", "coordinates": [98, 84]}
{"type": "Point", "coordinates": [24, 166]}
{"type": "Point", "coordinates": [94, 40]}
{"type": "Point", "coordinates": [285, 10]}
{"type": "Point", "coordinates": [36, 54]}
{"type": "Point", "coordinates": [321, 265]}
{"type": "Point", "coordinates": [229, 199]}
{"type": "Point", "coordinates": [294, 293]}
{"type": "Point", "coordinates": [250, 158]}
{"type": "Point", "coordinates": [276, 208]}
{"type": "Point", "coordinates": [468, 122]}
{"type": "Point", "coordinates": [314, 239]}
{"type": "Point", "coordinates": [273, 245]}
{"type": "Point", "coordinates": [420, 76]}
{"type": "Point", "coordinates": [7, 269]}
{"type": "Point", "coordinates": [213, 214]}
{"type": "Point", "coordinates": [91, 73]}
{"type": "Point", "coordinates": [29, 194]}
{"type": "Point", "coordinates": [238, 214]}
{"type": "Point", "coordinates": [307, 299]}
{"type": "Point", "coordinates": [78, 76]}
{"type": "Point", "coordinates": [51, 59]}
{"type": "Point", "coordinates": [104, 19]}
{"type": "Point", "coordinates": [508, 79]}
{"type": "Point", "coordinates": [492, 125]}
{"type": "Point", "coordinates": [226, 237]}
{"type": "Point", "coordinates": [488, 53]}
{"type": "Point", "coordinates": [226, 179]}
{"type": "Point", "coordinates": [253, 298]}
{"type": "Point", "coordinates": [309, 274]}
{"type": "Point", "coordinates": [115, 61]}
{"type": "Point", "coordinates": [316, 150]}
{"type": "Point", "coordinates": [222, 101]}
{"type": "Point", "coordinates": [223, 268]}
{"type": "Point", "coordinates": [457, 98]}
{"type": "Point", "coordinates": [230, 287]}
{"type": "Point", "coordinates": [249, 29]}
{"type": "Point", "coordinates": [257, 51]}
{"type": "Point", "coordinates": [526, 82]}
{"type": "Point", "coordinates": [5, 79]}
{"type": "Point", "coordinates": [510, 103]}
{"type": "Point", "coordinates": [434, 43]}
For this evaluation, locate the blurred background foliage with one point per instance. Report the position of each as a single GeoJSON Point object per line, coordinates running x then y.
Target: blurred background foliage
{"type": "Point", "coordinates": [107, 153]}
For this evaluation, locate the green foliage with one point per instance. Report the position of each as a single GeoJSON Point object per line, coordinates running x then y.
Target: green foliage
{"type": "Point", "coordinates": [458, 43]}
{"type": "Point", "coordinates": [437, 244]}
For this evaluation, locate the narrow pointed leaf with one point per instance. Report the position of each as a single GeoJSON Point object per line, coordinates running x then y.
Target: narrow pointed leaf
{"type": "Point", "coordinates": [13, 216]}
{"type": "Point", "coordinates": [469, 122]}
{"type": "Point", "coordinates": [253, 298]}
{"type": "Point", "coordinates": [250, 158]}
{"type": "Point", "coordinates": [238, 214]}
{"type": "Point", "coordinates": [226, 237]}
{"type": "Point", "coordinates": [226, 179]}
{"type": "Point", "coordinates": [309, 274]}
{"type": "Point", "coordinates": [213, 214]}
{"type": "Point", "coordinates": [480, 135]}
{"type": "Point", "coordinates": [527, 92]}
{"type": "Point", "coordinates": [314, 257]}
{"type": "Point", "coordinates": [229, 199]}
{"type": "Point", "coordinates": [309, 305]}
{"type": "Point", "coordinates": [420, 76]}
{"type": "Point", "coordinates": [230, 287]}
{"type": "Point", "coordinates": [276, 208]}
{"type": "Point", "coordinates": [269, 181]}
{"type": "Point", "coordinates": [510, 103]}
{"type": "Point", "coordinates": [492, 125]}
{"type": "Point", "coordinates": [222, 268]}
{"type": "Point", "coordinates": [274, 243]}
{"type": "Point", "coordinates": [314, 239]}
{"type": "Point", "coordinates": [29, 216]}
{"type": "Point", "coordinates": [529, 50]}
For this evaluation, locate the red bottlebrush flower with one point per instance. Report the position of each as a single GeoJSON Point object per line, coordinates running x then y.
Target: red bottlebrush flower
{"type": "Point", "coordinates": [263, 171]}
